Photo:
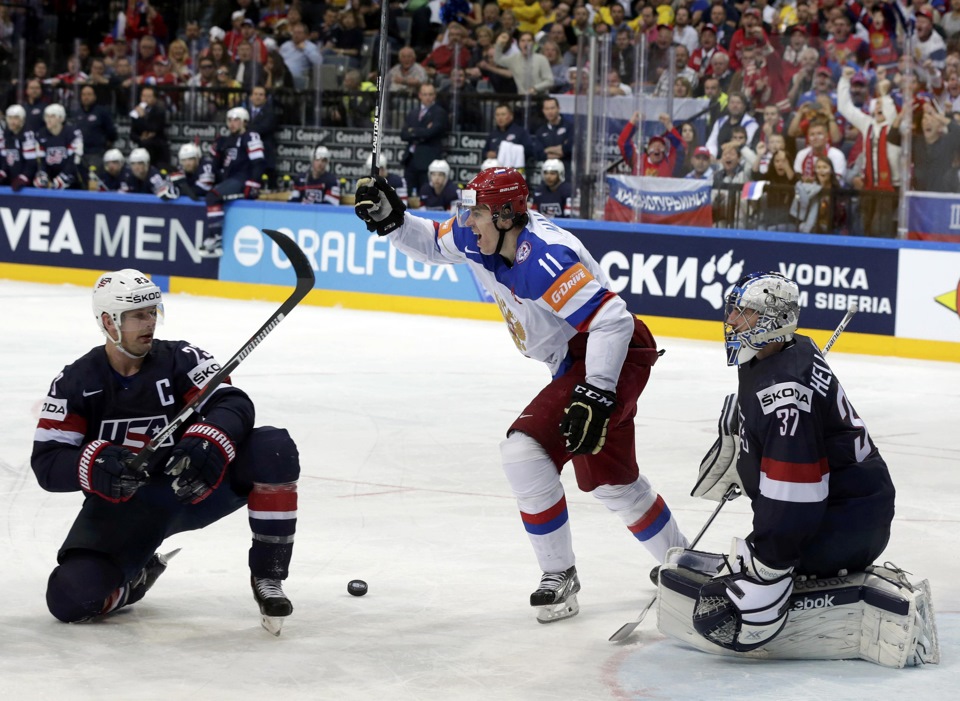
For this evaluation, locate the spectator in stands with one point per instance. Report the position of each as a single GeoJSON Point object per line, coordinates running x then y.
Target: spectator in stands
{"type": "Point", "coordinates": [682, 71]}
{"type": "Point", "coordinates": [65, 82]}
{"type": "Point", "coordinates": [459, 99]}
{"type": "Point", "coordinates": [950, 21]}
{"type": "Point", "coordinates": [623, 56]}
{"type": "Point", "coordinates": [803, 78]}
{"type": "Point", "coordinates": [508, 142]}
{"type": "Point", "coordinates": [247, 71]}
{"type": "Point", "coordinates": [299, 54]}
{"type": "Point", "coordinates": [683, 31]}
{"type": "Point", "coordinates": [194, 38]}
{"type": "Point", "coordinates": [818, 146]}
{"type": "Point", "coordinates": [691, 141]}
{"type": "Point", "coordinates": [844, 48]}
{"type": "Point", "coordinates": [701, 168]}
{"type": "Point", "coordinates": [881, 176]}
{"type": "Point", "coordinates": [442, 59]}
{"type": "Point", "coordinates": [406, 77]}
{"type": "Point", "coordinates": [318, 185]}
{"type": "Point", "coordinates": [780, 192]}
{"type": "Point", "coordinates": [554, 196]}
{"type": "Point", "coordinates": [100, 81]}
{"type": "Point", "coordinates": [816, 207]}
{"type": "Point", "coordinates": [424, 130]}
{"type": "Point", "coordinates": [438, 193]}
{"type": "Point", "coordinates": [662, 152]}
{"type": "Point", "coordinates": [18, 151]}
{"type": "Point", "coordinates": [551, 51]}
{"type": "Point", "coordinates": [554, 139]}
{"type": "Point", "coordinates": [263, 121]}
{"type": "Point", "coordinates": [928, 44]}
{"type": "Point", "coordinates": [531, 71]}
{"type": "Point", "coordinates": [355, 108]}
{"type": "Point", "coordinates": [818, 110]}
{"type": "Point", "coordinates": [276, 75]}
{"type": "Point", "coordinates": [725, 25]}
{"type": "Point", "coordinates": [700, 58]}
{"type": "Point", "coordinates": [935, 145]}
{"type": "Point", "coordinates": [149, 126]}
{"type": "Point", "coordinates": [59, 150]}
{"type": "Point", "coordinates": [109, 175]}
{"type": "Point", "coordinates": [721, 70]}
{"type": "Point", "coordinates": [658, 58]}
{"type": "Point", "coordinates": [143, 21]}
{"type": "Point", "coordinates": [248, 35]}
{"type": "Point", "coordinates": [347, 39]}
{"type": "Point", "coordinates": [737, 115]}
{"type": "Point", "coordinates": [141, 178]}
{"type": "Point", "coordinates": [200, 102]}
{"type": "Point", "coordinates": [96, 125]}
{"type": "Point", "coordinates": [234, 35]}
{"type": "Point", "coordinates": [181, 65]}
{"type": "Point", "coordinates": [228, 95]}
{"type": "Point", "coordinates": [219, 55]}
{"type": "Point", "coordinates": [487, 72]}
{"type": "Point", "coordinates": [34, 103]}
{"type": "Point", "coordinates": [147, 53]}
{"type": "Point", "coordinates": [733, 172]}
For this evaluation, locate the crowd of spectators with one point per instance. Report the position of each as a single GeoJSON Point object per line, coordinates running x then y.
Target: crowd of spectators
{"type": "Point", "coordinates": [805, 96]}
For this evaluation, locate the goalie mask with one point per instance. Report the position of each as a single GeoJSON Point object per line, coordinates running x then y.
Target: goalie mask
{"type": "Point", "coordinates": [762, 308]}
{"type": "Point", "coordinates": [122, 291]}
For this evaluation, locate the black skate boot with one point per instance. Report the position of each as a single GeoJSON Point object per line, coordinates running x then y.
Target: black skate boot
{"type": "Point", "coordinates": [556, 597]}
{"type": "Point", "coordinates": [274, 604]}
{"type": "Point", "coordinates": [655, 576]}
{"type": "Point", "coordinates": [137, 588]}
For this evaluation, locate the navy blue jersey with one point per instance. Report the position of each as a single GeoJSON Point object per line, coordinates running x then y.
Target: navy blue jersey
{"type": "Point", "coordinates": [151, 185]}
{"type": "Point", "coordinates": [110, 183]}
{"type": "Point", "coordinates": [90, 401]}
{"type": "Point", "coordinates": [239, 156]}
{"type": "Point", "coordinates": [806, 459]}
{"type": "Point", "coordinates": [553, 203]}
{"type": "Point", "coordinates": [197, 184]}
{"type": "Point", "coordinates": [324, 189]}
{"type": "Point", "coordinates": [429, 199]}
{"type": "Point", "coordinates": [18, 155]}
{"type": "Point", "coordinates": [57, 154]}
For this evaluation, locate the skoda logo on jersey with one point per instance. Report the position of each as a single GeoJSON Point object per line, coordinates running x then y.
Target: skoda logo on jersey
{"type": "Point", "coordinates": [134, 433]}
{"type": "Point", "coordinates": [524, 251]}
{"type": "Point", "coordinates": [248, 246]}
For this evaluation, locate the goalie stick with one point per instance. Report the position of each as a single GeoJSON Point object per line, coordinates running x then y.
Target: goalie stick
{"type": "Point", "coordinates": [305, 280]}
{"type": "Point", "coordinates": [733, 491]}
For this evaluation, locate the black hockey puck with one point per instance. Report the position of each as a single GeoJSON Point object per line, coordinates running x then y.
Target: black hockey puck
{"type": "Point", "coordinates": [356, 587]}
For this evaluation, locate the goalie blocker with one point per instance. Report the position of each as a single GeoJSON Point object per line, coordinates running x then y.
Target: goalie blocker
{"type": "Point", "coordinates": [876, 615]}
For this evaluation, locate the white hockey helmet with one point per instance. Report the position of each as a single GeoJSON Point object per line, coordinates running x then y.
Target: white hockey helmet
{"type": "Point", "coordinates": [16, 111]}
{"type": "Point", "coordinates": [554, 165]}
{"type": "Point", "coordinates": [140, 155]}
{"type": "Point", "coordinates": [122, 291]}
{"type": "Point", "coordinates": [776, 301]}
{"type": "Point", "coordinates": [321, 153]}
{"type": "Point", "coordinates": [490, 163]}
{"type": "Point", "coordinates": [238, 113]}
{"type": "Point", "coordinates": [55, 110]}
{"type": "Point", "coordinates": [381, 161]}
{"type": "Point", "coordinates": [188, 151]}
{"type": "Point", "coordinates": [439, 166]}
{"type": "Point", "coordinates": [113, 155]}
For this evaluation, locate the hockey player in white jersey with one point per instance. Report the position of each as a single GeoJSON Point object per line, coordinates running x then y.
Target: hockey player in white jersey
{"type": "Point", "coordinates": [559, 309]}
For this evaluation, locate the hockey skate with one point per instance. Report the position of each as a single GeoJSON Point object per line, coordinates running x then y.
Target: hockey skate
{"type": "Point", "coordinates": [138, 587]}
{"type": "Point", "coordinates": [274, 604]}
{"type": "Point", "coordinates": [212, 246]}
{"type": "Point", "coordinates": [556, 597]}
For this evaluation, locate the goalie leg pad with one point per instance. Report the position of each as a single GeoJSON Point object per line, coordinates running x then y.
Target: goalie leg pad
{"type": "Point", "coordinates": [875, 615]}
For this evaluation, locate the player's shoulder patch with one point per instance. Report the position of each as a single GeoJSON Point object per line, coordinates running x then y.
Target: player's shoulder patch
{"type": "Point", "coordinates": [523, 251]}
{"type": "Point", "coordinates": [785, 394]}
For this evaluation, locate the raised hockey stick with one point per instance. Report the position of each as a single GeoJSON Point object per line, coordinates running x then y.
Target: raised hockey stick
{"type": "Point", "coordinates": [382, 88]}
{"type": "Point", "coordinates": [733, 491]}
{"type": "Point", "coordinates": [305, 280]}
{"type": "Point", "coordinates": [624, 631]}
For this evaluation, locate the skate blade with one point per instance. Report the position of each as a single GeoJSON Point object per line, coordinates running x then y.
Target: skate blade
{"type": "Point", "coordinates": [272, 624]}
{"type": "Point", "coordinates": [557, 612]}
{"type": "Point", "coordinates": [165, 558]}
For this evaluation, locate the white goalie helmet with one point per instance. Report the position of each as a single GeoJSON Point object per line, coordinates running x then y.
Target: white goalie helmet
{"type": "Point", "coordinates": [122, 291]}
{"type": "Point", "coordinates": [761, 308]}
{"type": "Point", "coordinates": [188, 151]}
{"type": "Point", "coordinates": [322, 153]}
{"type": "Point", "coordinates": [439, 166]}
{"type": "Point", "coordinates": [140, 155]}
{"type": "Point", "coordinates": [113, 155]}
{"type": "Point", "coordinates": [238, 113]}
{"type": "Point", "coordinates": [55, 110]}
{"type": "Point", "coordinates": [381, 161]}
{"type": "Point", "coordinates": [554, 165]}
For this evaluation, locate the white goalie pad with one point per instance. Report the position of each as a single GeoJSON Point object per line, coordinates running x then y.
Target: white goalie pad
{"type": "Point", "coordinates": [877, 615]}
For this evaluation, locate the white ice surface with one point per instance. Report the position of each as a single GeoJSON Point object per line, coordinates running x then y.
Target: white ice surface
{"type": "Point", "coordinates": [398, 419]}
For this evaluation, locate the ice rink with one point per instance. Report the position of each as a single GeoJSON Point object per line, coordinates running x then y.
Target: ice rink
{"type": "Point", "coordinates": [398, 420]}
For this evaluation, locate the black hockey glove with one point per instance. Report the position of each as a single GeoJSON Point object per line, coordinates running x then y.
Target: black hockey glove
{"type": "Point", "coordinates": [199, 462]}
{"type": "Point", "coordinates": [103, 470]}
{"type": "Point", "coordinates": [379, 205]}
{"type": "Point", "coordinates": [586, 417]}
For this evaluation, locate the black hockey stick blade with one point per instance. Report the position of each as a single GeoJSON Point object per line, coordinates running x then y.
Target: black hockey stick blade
{"type": "Point", "coordinates": [305, 282]}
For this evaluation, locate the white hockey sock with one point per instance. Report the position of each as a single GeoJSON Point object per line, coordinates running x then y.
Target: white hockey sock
{"type": "Point", "coordinates": [645, 514]}
{"type": "Point", "coordinates": [535, 482]}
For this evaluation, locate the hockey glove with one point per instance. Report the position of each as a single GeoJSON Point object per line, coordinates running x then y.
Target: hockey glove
{"type": "Point", "coordinates": [58, 183]}
{"type": "Point", "coordinates": [585, 419]}
{"type": "Point", "coordinates": [41, 180]}
{"type": "Point", "coordinates": [718, 469]}
{"type": "Point", "coordinates": [251, 189]}
{"type": "Point", "coordinates": [19, 182]}
{"type": "Point", "coordinates": [379, 205]}
{"type": "Point", "coordinates": [747, 609]}
{"type": "Point", "coordinates": [199, 462]}
{"type": "Point", "coordinates": [103, 470]}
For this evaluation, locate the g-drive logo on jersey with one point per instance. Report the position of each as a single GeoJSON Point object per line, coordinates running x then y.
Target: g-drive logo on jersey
{"type": "Point", "coordinates": [567, 286]}
{"type": "Point", "coordinates": [783, 394]}
{"type": "Point", "coordinates": [134, 433]}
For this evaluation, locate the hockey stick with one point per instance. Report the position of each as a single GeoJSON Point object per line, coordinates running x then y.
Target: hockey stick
{"type": "Point", "coordinates": [733, 491]}
{"type": "Point", "coordinates": [382, 87]}
{"type": "Point", "coordinates": [305, 280]}
{"type": "Point", "coordinates": [624, 631]}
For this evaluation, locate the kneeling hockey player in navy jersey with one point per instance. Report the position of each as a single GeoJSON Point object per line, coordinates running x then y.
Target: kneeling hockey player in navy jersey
{"type": "Point", "coordinates": [802, 583]}
{"type": "Point", "coordinates": [103, 408]}
{"type": "Point", "coordinates": [559, 309]}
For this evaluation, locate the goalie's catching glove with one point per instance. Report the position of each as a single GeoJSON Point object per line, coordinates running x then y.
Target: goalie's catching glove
{"type": "Point", "coordinates": [379, 205]}
{"type": "Point", "coordinates": [586, 418]}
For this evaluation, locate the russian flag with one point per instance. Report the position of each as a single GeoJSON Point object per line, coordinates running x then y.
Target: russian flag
{"type": "Point", "coordinates": [753, 190]}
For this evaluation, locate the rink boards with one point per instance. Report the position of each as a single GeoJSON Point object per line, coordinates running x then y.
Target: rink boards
{"type": "Point", "coordinates": [674, 277]}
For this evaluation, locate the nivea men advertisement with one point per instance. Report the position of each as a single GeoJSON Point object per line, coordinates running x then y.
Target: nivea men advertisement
{"type": "Point", "coordinates": [101, 231]}
{"type": "Point", "coordinates": [343, 254]}
{"type": "Point", "coordinates": [686, 273]}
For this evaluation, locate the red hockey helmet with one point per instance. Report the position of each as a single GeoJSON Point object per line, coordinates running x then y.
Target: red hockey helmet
{"type": "Point", "coordinates": [503, 190]}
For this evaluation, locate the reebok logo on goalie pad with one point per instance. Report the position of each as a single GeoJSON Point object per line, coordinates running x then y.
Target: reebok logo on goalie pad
{"type": "Point", "coordinates": [809, 602]}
